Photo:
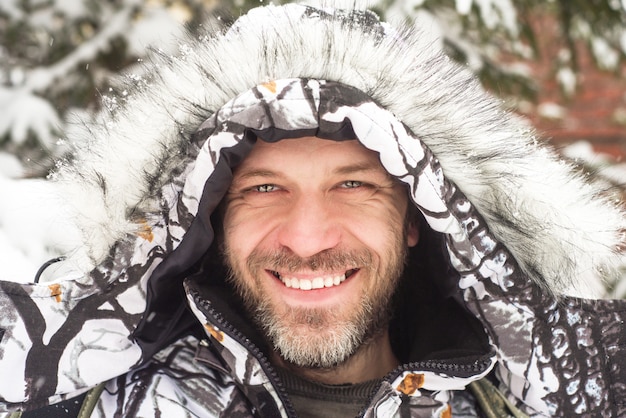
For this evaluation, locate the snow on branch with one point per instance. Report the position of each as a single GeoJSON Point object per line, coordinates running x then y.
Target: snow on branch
{"type": "Point", "coordinates": [23, 112]}
{"type": "Point", "coordinates": [40, 79]}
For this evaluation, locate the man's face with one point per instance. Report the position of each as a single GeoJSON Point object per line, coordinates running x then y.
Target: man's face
{"type": "Point", "coordinates": [315, 237]}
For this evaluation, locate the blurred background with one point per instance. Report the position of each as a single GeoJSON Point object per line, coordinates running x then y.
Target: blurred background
{"type": "Point", "coordinates": [559, 63]}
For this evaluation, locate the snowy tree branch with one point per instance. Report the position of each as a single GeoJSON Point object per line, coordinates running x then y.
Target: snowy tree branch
{"type": "Point", "coordinates": [40, 79]}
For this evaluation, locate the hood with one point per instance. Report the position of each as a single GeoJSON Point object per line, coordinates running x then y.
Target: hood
{"type": "Point", "coordinates": [561, 230]}
{"type": "Point", "coordinates": [144, 181]}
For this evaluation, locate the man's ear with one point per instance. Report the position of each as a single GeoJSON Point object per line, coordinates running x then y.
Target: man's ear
{"type": "Point", "coordinates": [412, 223]}
{"type": "Point", "coordinates": [413, 233]}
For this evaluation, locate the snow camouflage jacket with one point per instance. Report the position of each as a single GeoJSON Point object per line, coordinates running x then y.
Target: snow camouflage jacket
{"type": "Point", "coordinates": [509, 231]}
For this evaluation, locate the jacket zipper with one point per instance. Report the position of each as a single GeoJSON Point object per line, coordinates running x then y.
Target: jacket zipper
{"type": "Point", "coordinates": [430, 365]}
{"type": "Point", "coordinates": [234, 333]}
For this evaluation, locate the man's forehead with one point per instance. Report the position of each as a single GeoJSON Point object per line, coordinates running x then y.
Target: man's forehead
{"type": "Point", "coordinates": [340, 156]}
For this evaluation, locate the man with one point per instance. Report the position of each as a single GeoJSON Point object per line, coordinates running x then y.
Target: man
{"type": "Point", "coordinates": [315, 238]}
{"type": "Point", "coordinates": [358, 230]}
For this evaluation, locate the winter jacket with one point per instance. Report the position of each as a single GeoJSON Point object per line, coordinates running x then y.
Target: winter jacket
{"type": "Point", "coordinates": [143, 313]}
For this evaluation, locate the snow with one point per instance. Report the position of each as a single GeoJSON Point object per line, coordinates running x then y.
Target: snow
{"type": "Point", "coordinates": [10, 166]}
{"type": "Point", "coordinates": [42, 78]}
{"type": "Point", "coordinates": [410, 7]}
{"type": "Point", "coordinates": [15, 266]}
{"type": "Point", "coordinates": [23, 112]}
{"type": "Point", "coordinates": [34, 227]}
{"type": "Point", "coordinates": [463, 6]}
{"type": "Point", "coordinates": [519, 68]}
{"type": "Point", "coordinates": [500, 12]}
{"type": "Point", "coordinates": [493, 13]}
{"type": "Point", "coordinates": [567, 79]}
{"type": "Point", "coordinates": [10, 7]}
{"type": "Point", "coordinates": [606, 56]}
{"type": "Point", "coordinates": [73, 9]}
{"type": "Point", "coordinates": [619, 115]}
{"type": "Point", "coordinates": [17, 75]}
{"type": "Point", "coordinates": [551, 110]}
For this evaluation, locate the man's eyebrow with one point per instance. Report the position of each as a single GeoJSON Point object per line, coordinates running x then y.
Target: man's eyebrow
{"type": "Point", "coordinates": [246, 174]}
{"type": "Point", "coordinates": [366, 166]}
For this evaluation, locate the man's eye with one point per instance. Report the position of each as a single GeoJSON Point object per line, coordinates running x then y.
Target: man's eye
{"type": "Point", "coordinates": [265, 188]}
{"type": "Point", "coordinates": [351, 184]}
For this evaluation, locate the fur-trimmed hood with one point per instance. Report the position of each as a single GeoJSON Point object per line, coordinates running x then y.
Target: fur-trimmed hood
{"type": "Point", "coordinates": [561, 230]}
{"type": "Point", "coordinates": [508, 217]}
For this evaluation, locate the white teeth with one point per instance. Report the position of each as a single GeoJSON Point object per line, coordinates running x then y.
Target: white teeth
{"type": "Point", "coordinates": [315, 283]}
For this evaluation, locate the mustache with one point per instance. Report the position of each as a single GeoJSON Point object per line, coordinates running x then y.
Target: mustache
{"type": "Point", "coordinates": [284, 260]}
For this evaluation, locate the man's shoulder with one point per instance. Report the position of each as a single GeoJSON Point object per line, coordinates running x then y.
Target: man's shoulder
{"type": "Point", "coordinates": [177, 381]}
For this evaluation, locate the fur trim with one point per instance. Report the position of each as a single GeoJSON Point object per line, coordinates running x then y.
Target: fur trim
{"type": "Point", "coordinates": [559, 228]}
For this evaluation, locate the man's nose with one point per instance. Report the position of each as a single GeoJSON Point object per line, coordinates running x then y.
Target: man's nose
{"type": "Point", "coordinates": [309, 226]}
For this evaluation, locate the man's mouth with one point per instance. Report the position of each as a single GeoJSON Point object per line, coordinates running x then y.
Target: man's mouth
{"type": "Point", "coordinates": [313, 283]}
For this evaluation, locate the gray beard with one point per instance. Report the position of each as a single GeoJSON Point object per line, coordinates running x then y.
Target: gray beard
{"type": "Point", "coordinates": [321, 338]}
{"type": "Point", "coordinates": [316, 338]}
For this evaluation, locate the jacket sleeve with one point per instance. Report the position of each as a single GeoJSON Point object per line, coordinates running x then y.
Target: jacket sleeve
{"type": "Point", "coordinates": [559, 356]}
{"type": "Point", "coordinates": [176, 382]}
{"type": "Point", "coordinates": [56, 337]}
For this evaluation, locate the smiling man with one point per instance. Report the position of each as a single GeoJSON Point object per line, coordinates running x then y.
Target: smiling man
{"type": "Point", "coordinates": [313, 214]}
{"type": "Point", "coordinates": [316, 238]}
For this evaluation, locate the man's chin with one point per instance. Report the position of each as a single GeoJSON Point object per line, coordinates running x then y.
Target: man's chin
{"type": "Point", "coordinates": [320, 345]}
{"type": "Point", "coordinates": [319, 355]}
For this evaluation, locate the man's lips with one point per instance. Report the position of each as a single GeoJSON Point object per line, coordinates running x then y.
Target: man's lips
{"type": "Point", "coordinates": [313, 282]}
